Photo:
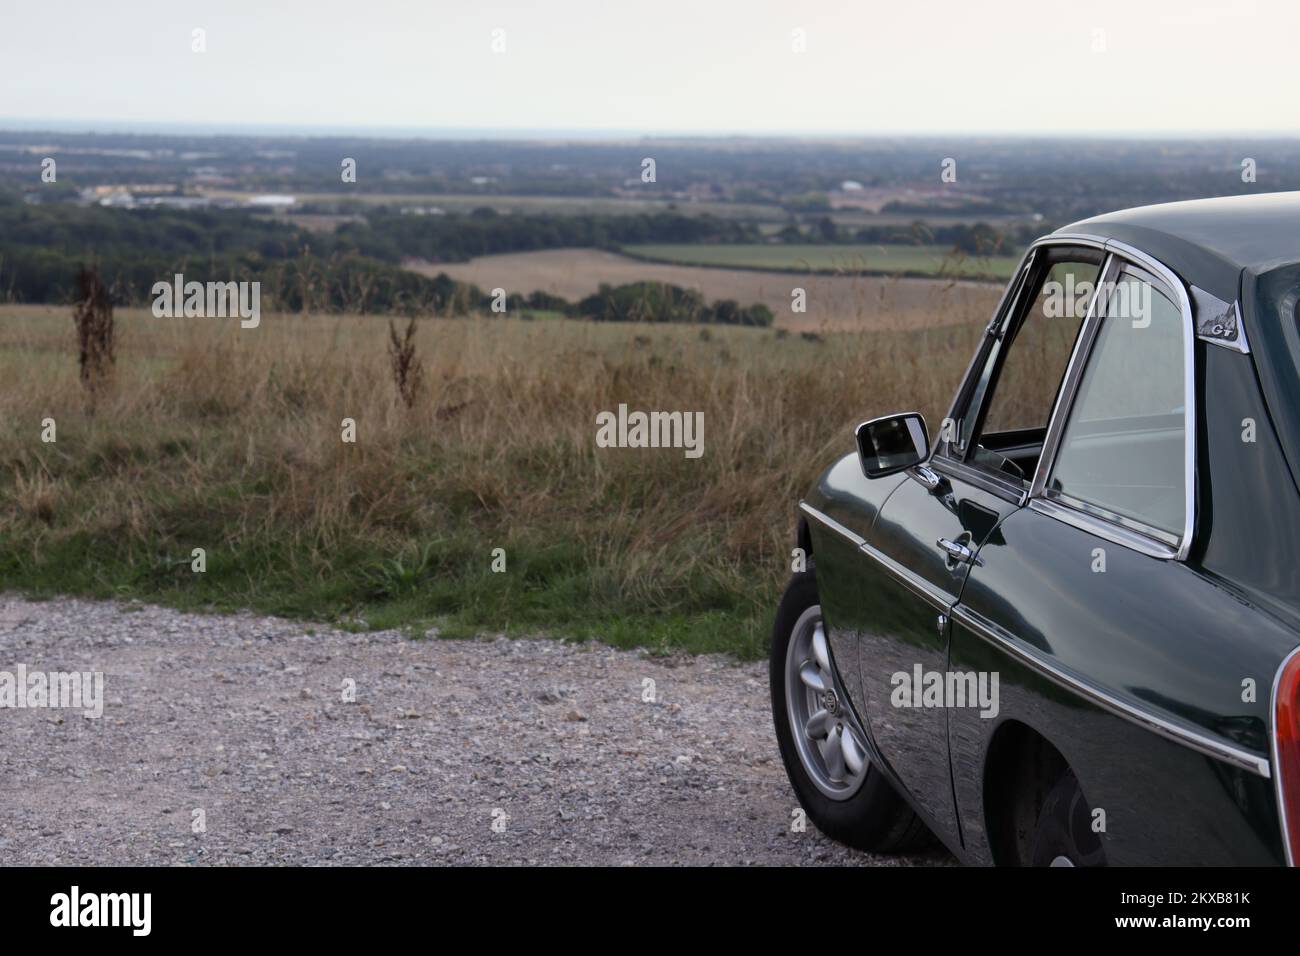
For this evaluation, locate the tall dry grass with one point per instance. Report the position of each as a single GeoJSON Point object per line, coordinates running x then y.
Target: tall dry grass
{"type": "Point", "coordinates": [228, 439]}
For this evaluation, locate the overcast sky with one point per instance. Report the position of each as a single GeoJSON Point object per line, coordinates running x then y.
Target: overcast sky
{"type": "Point", "coordinates": [659, 66]}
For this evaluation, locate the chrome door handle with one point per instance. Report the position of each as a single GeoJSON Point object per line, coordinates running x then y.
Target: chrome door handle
{"type": "Point", "coordinates": [930, 479]}
{"type": "Point", "coordinates": [957, 553]}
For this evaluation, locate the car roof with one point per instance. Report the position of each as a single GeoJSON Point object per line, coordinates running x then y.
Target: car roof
{"type": "Point", "coordinates": [1208, 242]}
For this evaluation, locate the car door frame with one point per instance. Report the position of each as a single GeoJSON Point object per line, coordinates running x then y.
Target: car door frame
{"type": "Point", "coordinates": [950, 457]}
{"type": "Point", "coordinates": [960, 489]}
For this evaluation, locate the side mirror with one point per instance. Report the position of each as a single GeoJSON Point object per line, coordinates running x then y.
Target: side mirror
{"type": "Point", "coordinates": [892, 444]}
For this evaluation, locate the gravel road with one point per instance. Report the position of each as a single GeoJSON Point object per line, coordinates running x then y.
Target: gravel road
{"type": "Point", "coordinates": [493, 751]}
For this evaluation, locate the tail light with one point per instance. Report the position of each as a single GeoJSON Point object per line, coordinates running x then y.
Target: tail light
{"type": "Point", "coordinates": [1286, 752]}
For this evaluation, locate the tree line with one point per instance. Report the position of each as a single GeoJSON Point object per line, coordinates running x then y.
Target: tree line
{"type": "Point", "coordinates": [43, 248]}
{"type": "Point", "coordinates": [359, 267]}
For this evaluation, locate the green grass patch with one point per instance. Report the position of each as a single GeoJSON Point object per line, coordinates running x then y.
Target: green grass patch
{"type": "Point", "coordinates": [447, 585]}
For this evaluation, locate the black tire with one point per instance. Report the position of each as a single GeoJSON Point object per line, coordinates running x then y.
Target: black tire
{"type": "Point", "coordinates": [1064, 828]}
{"type": "Point", "coordinates": [875, 818]}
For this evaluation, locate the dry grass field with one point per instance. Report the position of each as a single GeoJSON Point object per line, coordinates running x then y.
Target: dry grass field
{"type": "Point", "coordinates": [835, 302]}
{"type": "Point", "coordinates": [215, 437]}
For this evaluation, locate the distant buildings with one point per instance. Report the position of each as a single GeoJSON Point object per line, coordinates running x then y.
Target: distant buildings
{"type": "Point", "coordinates": [270, 201]}
{"type": "Point", "coordinates": [156, 196]}
{"type": "Point", "coordinates": [135, 196]}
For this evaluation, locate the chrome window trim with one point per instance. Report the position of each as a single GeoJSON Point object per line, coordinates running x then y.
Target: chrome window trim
{"type": "Point", "coordinates": [1012, 291]}
{"type": "Point", "coordinates": [1071, 239]}
{"type": "Point", "coordinates": [984, 480]}
{"type": "Point", "coordinates": [1176, 732]}
{"type": "Point", "coordinates": [1120, 252]}
{"type": "Point", "coordinates": [1102, 528]}
{"type": "Point", "coordinates": [1242, 344]}
{"type": "Point", "coordinates": [1277, 780]}
{"type": "Point", "coordinates": [1189, 385]}
{"type": "Point", "coordinates": [1073, 375]}
{"type": "Point", "coordinates": [1101, 513]}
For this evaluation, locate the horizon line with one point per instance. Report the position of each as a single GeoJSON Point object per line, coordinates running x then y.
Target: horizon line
{"type": "Point", "coordinates": [587, 134]}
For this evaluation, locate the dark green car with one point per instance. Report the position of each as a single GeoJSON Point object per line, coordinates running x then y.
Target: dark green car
{"type": "Point", "coordinates": [1065, 631]}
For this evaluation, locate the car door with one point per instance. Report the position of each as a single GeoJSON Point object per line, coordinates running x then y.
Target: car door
{"type": "Point", "coordinates": [912, 568]}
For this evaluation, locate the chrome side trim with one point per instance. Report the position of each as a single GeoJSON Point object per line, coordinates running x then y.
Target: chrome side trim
{"type": "Point", "coordinates": [827, 521]}
{"type": "Point", "coordinates": [1277, 783]}
{"type": "Point", "coordinates": [1178, 733]}
{"type": "Point", "coordinates": [913, 582]}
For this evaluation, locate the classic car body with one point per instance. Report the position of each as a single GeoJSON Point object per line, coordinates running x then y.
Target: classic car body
{"type": "Point", "coordinates": [1131, 575]}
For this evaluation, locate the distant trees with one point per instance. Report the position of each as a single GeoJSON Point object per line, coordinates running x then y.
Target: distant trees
{"type": "Point", "coordinates": [979, 239]}
{"type": "Point", "coordinates": [358, 268]}
{"type": "Point", "coordinates": [827, 231]}
{"type": "Point", "coordinates": [40, 245]}
{"type": "Point", "coordinates": [42, 248]}
{"type": "Point", "coordinates": [661, 302]}
{"type": "Point", "coordinates": [390, 236]}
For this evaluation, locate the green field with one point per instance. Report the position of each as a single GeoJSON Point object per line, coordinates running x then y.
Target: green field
{"type": "Point", "coordinates": [516, 205]}
{"type": "Point", "coordinates": [855, 259]}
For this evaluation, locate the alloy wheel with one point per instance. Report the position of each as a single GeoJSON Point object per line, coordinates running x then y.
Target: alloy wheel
{"type": "Point", "coordinates": [830, 744]}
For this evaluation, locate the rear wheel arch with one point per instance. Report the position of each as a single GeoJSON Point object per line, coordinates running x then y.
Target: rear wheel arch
{"type": "Point", "coordinates": [1020, 768]}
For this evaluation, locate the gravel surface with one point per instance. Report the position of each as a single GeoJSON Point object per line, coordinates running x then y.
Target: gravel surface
{"type": "Point", "coordinates": [493, 751]}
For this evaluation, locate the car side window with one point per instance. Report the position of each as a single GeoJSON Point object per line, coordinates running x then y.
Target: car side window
{"type": "Point", "coordinates": [1035, 364]}
{"type": "Point", "coordinates": [1122, 451]}
{"type": "Point", "coordinates": [1003, 429]}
